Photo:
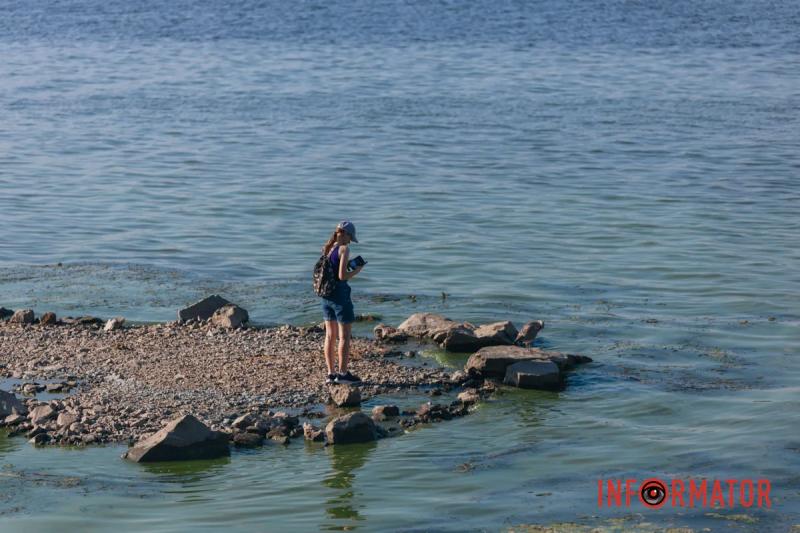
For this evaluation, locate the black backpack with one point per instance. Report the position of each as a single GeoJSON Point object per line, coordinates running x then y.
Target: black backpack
{"type": "Point", "coordinates": [324, 278]}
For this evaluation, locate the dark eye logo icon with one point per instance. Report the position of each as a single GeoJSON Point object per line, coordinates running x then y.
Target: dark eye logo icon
{"type": "Point", "coordinates": [653, 493]}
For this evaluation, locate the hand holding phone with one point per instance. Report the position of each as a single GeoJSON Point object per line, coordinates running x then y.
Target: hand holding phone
{"type": "Point", "coordinates": [356, 262]}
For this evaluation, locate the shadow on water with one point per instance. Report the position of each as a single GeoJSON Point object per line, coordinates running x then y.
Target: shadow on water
{"type": "Point", "coordinates": [341, 507]}
{"type": "Point", "coordinates": [186, 472]}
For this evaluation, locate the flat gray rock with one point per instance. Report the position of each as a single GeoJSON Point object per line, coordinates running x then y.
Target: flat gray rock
{"type": "Point", "coordinates": [492, 361]}
{"type": "Point", "coordinates": [185, 438]}
{"type": "Point", "coordinates": [202, 310]}
{"type": "Point", "coordinates": [543, 375]}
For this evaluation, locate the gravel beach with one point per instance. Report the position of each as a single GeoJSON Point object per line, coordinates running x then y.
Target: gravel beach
{"type": "Point", "coordinates": [122, 385]}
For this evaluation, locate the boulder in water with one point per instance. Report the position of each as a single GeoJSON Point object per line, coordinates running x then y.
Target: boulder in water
{"type": "Point", "coordinates": [10, 405]}
{"type": "Point", "coordinates": [185, 438]}
{"type": "Point", "coordinates": [543, 375]}
{"type": "Point", "coordinates": [351, 428]}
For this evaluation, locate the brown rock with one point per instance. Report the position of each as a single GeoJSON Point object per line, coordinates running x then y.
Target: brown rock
{"type": "Point", "coordinates": [230, 316]}
{"type": "Point", "coordinates": [351, 428]}
{"type": "Point", "coordinates": [382, 412]}
{"type": "Point", "coordinates": [185, 438]}
{"type": "Point", "coordinates": [13, 420]}
{"type": "Point", "coordinates": [48, 319]}
{"type": "Point", "coordinates": [544, 375]}
{"type": "Point", "coordinates": [345, 395]}
{"type": "Point", "coordinates": [426, 325]}
{"type": "Point", "coordinates": [496, 334]}
{"type": "Point", "coordinates": [247, 440]}
{"type": "Point", "coordinates": [469, 396]}
{"type": "Point", "coordinates": [243, 421]}
{"type": "Point", "coordinates": [22, 316]}
{"type": "Point", "coordinates": [313, 433]}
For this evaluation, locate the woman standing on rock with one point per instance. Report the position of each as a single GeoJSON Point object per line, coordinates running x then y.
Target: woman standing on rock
{"type": "Point", "coordinates": [337, 309]}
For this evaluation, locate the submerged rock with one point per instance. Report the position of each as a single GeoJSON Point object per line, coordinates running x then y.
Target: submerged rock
{"type": "Point", "coordinates": [11, 405]}
{"type": "Point", "coordinates": [351, 428]}
{"type": "Point", "coordinates": [543, 375]}
{"type": "Point", "coordinates": [345, 395]}
{"type": "Point", "coordinates": [230, 316]}
{"type": "Point", "coordinates": [22, 316]}
{"type": "Point", "coordinates": [202, 310]}
{"type": "Point", "coordinates": [185, 438]}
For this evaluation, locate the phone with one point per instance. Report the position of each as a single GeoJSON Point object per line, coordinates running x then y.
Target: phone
{"type": "Point", "coordinates": [356, 262]}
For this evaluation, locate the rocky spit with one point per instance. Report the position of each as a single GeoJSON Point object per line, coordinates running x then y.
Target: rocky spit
{"type": "Point", "coordinates": [123, 384]}
{"type": "Point", "coordinates": [184, 390]}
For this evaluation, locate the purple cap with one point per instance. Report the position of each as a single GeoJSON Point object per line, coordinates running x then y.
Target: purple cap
{"type": "Point", "coordinates": [349, 227]}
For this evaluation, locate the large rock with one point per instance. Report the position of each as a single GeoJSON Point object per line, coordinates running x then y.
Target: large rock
{"type": "Point", "coordinates": [426, 325]}
{"type": "Point", "coordinates": [459, 339]}
{"type": "Point", "coordinates": [497, 333]}
{"type": "Point", "coordinates": [351, 428]}
{"type": "Point", "coordinates": [345, 395]}
{"type": "Point", "coordinates": [66, 419]}
{"type": "Point", "coordinates": [202, 310]}
{"type": "Point", "coordinates": [492, 361]}
{"type": "Point", "coordinates": [528, 333]}
{"type": "Point", "coordinates": [543, 375]}
{"type": "Point", "coordinates": [230, 316]}
{"type": "Point", "coordinates": [42, 414]}
{"type": "Point", "coordinates": [22, 316]}
{"type": "Point", "coordinates": [10, 405]}
{"type": "Point", "coordinates": [183, 439]}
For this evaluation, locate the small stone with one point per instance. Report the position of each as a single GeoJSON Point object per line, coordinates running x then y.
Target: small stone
{"type": "Point", "coordinates": [469, 397]}
{"type": "Point", "coordinates": [48, 319]}
{"type": "Point", "coordinates": [114, 324]}
{"type": "Point", "coordinates": [243, 421]}
{"type": "Point", "coordinates": [313, 433]}
{"type": "Point", "coordinates": [55, 387]}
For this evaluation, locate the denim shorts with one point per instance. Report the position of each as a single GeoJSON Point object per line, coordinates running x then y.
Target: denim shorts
{"type": "Point", "coordinates": [338, 306]}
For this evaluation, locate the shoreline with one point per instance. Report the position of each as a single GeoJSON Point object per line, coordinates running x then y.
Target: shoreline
{"type": "Point", "coordinates": [123, 385]}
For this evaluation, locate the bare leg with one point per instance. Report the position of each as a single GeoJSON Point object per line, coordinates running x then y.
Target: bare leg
{"type": "Point", "coordinates": [331, 334]}
{"type": "Point", "coordinates": [344, 346]}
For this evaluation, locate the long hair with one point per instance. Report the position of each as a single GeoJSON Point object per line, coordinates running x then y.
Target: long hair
{"type": "Point", "coordinates": [328, 245]}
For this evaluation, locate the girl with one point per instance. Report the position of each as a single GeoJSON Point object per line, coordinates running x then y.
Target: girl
{"type": "Point", "coordinates": [337, 309]}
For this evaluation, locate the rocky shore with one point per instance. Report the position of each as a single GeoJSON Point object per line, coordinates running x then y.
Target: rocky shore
{"type": "Point", "coordinates": [109, 383]}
